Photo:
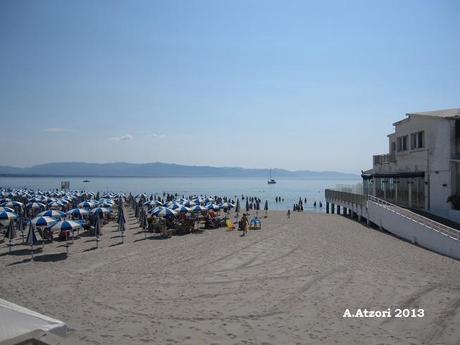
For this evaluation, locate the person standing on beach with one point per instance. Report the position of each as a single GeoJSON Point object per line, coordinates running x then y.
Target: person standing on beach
{"type": "Point", "coordinates": [289, 214]}
{"type": "Point", "coordinates": [244, 224]}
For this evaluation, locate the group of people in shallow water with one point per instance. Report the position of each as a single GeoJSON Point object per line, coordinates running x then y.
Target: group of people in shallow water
{"type": "Point", "coordinates": [299, 206]}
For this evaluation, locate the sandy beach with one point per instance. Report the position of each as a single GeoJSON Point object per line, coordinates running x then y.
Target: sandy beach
{"type": "Point", "coordinates": [289, 283]}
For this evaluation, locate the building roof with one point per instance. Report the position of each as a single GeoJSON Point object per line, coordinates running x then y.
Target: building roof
{"type": "Point", "coordinates": [439, 113]}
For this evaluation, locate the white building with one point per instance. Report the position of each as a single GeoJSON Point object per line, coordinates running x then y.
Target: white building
{"type": "Point", "coordinates": [422, 169]}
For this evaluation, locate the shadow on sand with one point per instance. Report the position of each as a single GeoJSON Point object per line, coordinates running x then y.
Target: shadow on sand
{"type": "Point", "coordinates": [43, 258]}
{"type": "Point", "coordinates": [25, 251]}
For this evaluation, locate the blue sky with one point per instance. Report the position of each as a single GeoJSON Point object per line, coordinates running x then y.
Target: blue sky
{"type": "Point", "coordinates": [288, 84]}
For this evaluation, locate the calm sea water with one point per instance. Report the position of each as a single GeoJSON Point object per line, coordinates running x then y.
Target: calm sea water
{"type": "Point", "coordinates": [289, 189]}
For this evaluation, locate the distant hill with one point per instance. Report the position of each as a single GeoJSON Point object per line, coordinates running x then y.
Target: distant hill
{"type": "Point", "coordinates": [79, 169]}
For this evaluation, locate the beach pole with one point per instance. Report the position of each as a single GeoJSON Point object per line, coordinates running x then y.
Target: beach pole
{"type": "Point", "coordinates": [66, 242]}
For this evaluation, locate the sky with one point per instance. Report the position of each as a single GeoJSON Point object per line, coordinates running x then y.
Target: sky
{"type": "Point", "coordinates": [288, 84]}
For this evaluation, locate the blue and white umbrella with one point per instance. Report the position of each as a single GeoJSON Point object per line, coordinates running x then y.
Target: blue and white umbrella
{"type": "Point", "coordinates": [189, 203]}
{"type": "Point", "coordinates": [41, 221]}
{"type": "Point", "coordinates": [36, 205]}
{"type": "Point", "coordinates": [173, 205]}
{"type": "Point", "coordinates": [12, 204]}
{"type": "Point", "coordinates": [164, 212]}
{"type": "Point", "coordinates": [198, 208]}
{"type": "Point", "coordinates": [99, 210]}
{"type": "Point", "coordinates": [78, 212]}
{"type": "Point", "coordinates": [182, 209]}
{"type": "Point", "coordinates": [6, 209]}
{"type": "Point", "coordinates": [87, 204]}
{"type": "Point", "coordinates": [7, 217]}
{"type": "Point", "coordinates": [213, 207]}
{"type": "Point", "coordinates": [52, 213]}
{"type": "Point", "coordinates": [55, 205]}
{"type": "Point", "coordinates": [31, 238]}
{"type": "Point", "coordinates": [227, 205]}
{"type": "Point", "coordinates": [66, 225]}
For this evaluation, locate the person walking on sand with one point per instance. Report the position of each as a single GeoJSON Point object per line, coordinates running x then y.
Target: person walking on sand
{"type": "Point", "coordinates": [289, 214]}
{"type": "Point", "coordinates": [244, 224]}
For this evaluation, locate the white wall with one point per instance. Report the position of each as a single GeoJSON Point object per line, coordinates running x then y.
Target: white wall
{"type": "Point", "coordinates": [412, 231]}
{"type": "Point", "coordinates": [440, 169]}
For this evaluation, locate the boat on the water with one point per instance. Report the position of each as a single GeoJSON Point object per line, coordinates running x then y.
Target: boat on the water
{"type": "Point", "coordinates": [86, 181]}
{"type": "Point", "coordinates": [270, 179]}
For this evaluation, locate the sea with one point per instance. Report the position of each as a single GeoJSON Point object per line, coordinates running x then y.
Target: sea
{"type": "Point", "coordinates": [289, 190]}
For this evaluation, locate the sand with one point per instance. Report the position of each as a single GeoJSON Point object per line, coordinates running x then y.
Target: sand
{"type": "Point", "coordinates": [289, 283]}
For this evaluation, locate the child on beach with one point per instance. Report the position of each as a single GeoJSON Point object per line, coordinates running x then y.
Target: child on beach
{"type": "Point", "coordinates": [244, 224]}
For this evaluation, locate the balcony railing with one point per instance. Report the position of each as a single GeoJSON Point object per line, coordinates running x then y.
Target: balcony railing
{"type": "Point", "coordinates": [345, 197]}
{"type": "Point", "coordinates": [385, 159]}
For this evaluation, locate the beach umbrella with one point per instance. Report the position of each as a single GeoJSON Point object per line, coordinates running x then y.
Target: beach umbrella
{"type": "Point", "coordinates": [13, 204]}
{"type": "Point", "coordinates": [227, 205]}
{"type": "Point", "coordinates": [266, 208]}
{"type": "Point", "coordinates": [247, 205]}
{"type": "Point", "coordinates": [6, 209]}
{"type": "Point", "coordinates": [52, 213]}
{"type": "Point", "coordinates": [87, 204]}
{"type": "Point", "coordinates": [182, 209]}
{"type": "Point", "coordinates": [197, 208]}
{"type": "Point", "coordinates": [99, 210]}
{"type": "Point", "coordinates": [31, 239]}
{"type": "Point", "coordinates": [55, 205]}
{"type": "Point", "coordinates": [43, 221]}
{"type": "Point", "coordinates": [77, 212]}
{"type": "Point", "coordinates": [97, 231]}
{"type": "Point", "coordinates": [213, 207]}
{"type": "Point", "coordinates": [173, 205]}
{"type": "Point", "coordinates": [6, 217]}
{"type": "Point", "coordinates": [189, 203]}
{"type": "Point", "coordinates": [237, 208]}
{"type": "Point", "coordinates": [66, 226]}
{"type": "Point", "coordinates": [10, 234]}
{"type": "Point", "coordinates": [121, 223]}
{"type": "Point", "coordinates": [164, 212]}
{"type": "Point", "coordinates": [104, 204]}
{"type": "Point", "coordinates": [36, 205]}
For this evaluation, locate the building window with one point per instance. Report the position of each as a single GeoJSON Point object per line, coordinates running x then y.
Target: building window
{"type": "Point", "coordinates": [413, 141]}
{"type": "Point", "coordinates": [420, 139]}
{"type": "Point", "coordinates": [404, 143]}
{"type": "Point", "coordinates": [393, 146]}
{"type": "Point", "coordinates": [417, 140]}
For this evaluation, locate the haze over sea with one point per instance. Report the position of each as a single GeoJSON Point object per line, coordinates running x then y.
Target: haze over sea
{"type": "Point", "coordinates": [289, 189]}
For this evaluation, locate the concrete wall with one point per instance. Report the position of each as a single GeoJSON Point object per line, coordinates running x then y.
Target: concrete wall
{"type": "Point", "coordinates": [440, 169]}
{"type": "Point", "coordinates": [413, 231]}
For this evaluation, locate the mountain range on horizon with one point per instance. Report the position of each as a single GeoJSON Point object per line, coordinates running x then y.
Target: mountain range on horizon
{"type": "Point", "coordinates": [158, 169]}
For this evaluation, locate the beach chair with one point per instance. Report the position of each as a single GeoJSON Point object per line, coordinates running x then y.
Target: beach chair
{"type": "Point", "coordinates": [230, 225]}
{"type": "Point", "coordinates": [255, 224]}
